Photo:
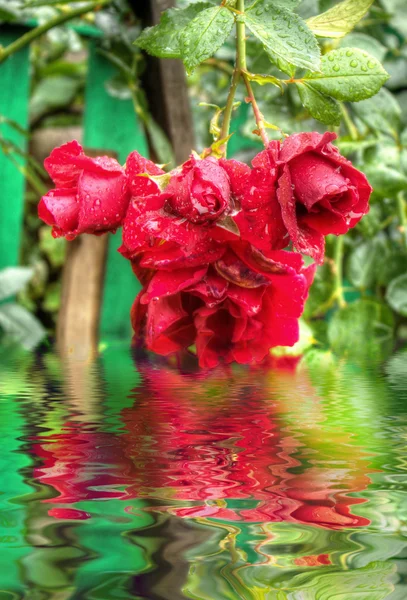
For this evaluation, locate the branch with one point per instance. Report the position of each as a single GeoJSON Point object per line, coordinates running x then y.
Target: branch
{"type": "Point", "coordinates": [28, 37]}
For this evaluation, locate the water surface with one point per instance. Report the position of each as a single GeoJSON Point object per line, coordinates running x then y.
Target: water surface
{"type": "Point", "coordinates": [133, 478]}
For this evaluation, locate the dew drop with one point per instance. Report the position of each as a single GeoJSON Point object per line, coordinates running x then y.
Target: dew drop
{"type": "Point", "coordinates": [331, 58]}
{"type": "Point", "coordinates": [371, 64]}
{"type": "Point", "coordinates": [336, 68]}
{"type": "Point", "coordinates": [354, 63]}
{"type": "Point", "coordinates": [349, 53]}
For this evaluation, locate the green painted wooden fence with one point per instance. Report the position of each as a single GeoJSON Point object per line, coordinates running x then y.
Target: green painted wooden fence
{"type": "Point", "coordinates": [14, 95]}
{"type": "Point", "coordinates": [110, 124]}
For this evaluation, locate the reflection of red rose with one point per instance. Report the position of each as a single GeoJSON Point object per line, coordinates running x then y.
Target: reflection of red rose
{"type": "Point", "coordinates": [91, 194]}
{"type": "Point", "coordinates": [235, 310]}
{"type": "Point", "coordinates": [234, 457]}
{"type": "Point", "coordinates": [83, 465]}
{"type": "Point", "coordinates": [320, 191]}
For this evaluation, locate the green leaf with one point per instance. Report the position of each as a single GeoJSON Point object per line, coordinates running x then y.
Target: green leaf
{"type": "Point", "coordinates": [163, 40]}
{"type": "Point", "coordinates": [362, 331]}
{"type": "Point", "coordinates": [340, 19]}
{"type": "Point", "coordinates": [396, 295]}
{"type": "Point", "coordinates": [365, 42]}
{"type": "Point", "coordinates": [204, 35]}
{"type": "Point", "coordinates": [284, 35]}
{"type": "Point", "coordinates": [348, 74]}
{"type": "Point", "coordinates": [160, 143]}
{"type": "Point", "coordinates": [53, 248]}
{"type": "Point", "coordinates": [265, 79]}
{"type": "Point", "coordinates": [321, 293]}
{"type": "Point", "coordinates": [20, 325]}
{"type": "Point", "coordinates": [7, 13]}
{"type": "Point", "coordinates": [53, 93]}
{"type": "Point", "coordinates": [13, 280]}
{"type": "Point", "coordinates": [385, 180]}
{"type": "Point", "coordinates": [361, 268]}
{"type": "Point", "coordinates": [381, 113]}
{"type": "Point", "coordinates": [287, 4]}
{"type": "Point", "coordinates": [347, 146]}
{"type": "Point", "coordinates": [321, 107]}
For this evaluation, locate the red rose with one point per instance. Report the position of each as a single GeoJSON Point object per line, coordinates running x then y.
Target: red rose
{"type": "Point", "coordinates": [320, 192]}
{"type": "Point", "coordinates": [185, 225]}
{"type": "Point", "coordinates": [91, 194]}
{"type": "Point", "coordinates": [260, 221]}
{"type": "Point", "coordinates": [200, 192]}
{"type": "Point", "coordinates": [234, 310]}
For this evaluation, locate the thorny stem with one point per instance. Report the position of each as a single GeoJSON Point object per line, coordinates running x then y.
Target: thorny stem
{"type": "Point", "coordinates": [239, 71]}
{"type": "Point", "coordinates": [258, 115]}
{"type": "Point", "coordinates": [39, 31]}
{"type": "Point", "coordinates": [338, 258]}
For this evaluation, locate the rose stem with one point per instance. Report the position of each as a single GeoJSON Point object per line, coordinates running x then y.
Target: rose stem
{"type": "Point", "coordinates": [240, 70]}
{"type": "Point", "coordinates": [239, 64]}
{"type": "Point", "coordinates": [338, 259]}
{"type": "Point", "coordinates": [257, 114]}
{"type": "Point", "coordinates": [39, 31]}
{"type": "Point", "coordinates": [401, 205]}
{"type": "Point", "coordinates": [350, 126]}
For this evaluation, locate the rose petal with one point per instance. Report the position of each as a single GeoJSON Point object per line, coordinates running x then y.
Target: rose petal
{"type": "Point", "coordinates": [314, 178]}
{"type": "Point", "coordinates": [60, 167]}
{"type": "Point", "coordinates": [305, 240]}
{"type": "Point", "coordinates": [299, 143]}
{"type": "Point", "coordinates": [167, 283]}
{"type": "Point", "coordinates": [103, 201]}
{"type": "Point", "coordinates": [239, 174]}
{"type": "Point", "coordinates": [60, 209]}
{"type": "Point", "coordinates": [163, 314]}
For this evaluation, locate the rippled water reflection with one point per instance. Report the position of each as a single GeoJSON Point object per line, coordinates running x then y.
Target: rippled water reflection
{"type": "Point", "coordinates": [131, 478]}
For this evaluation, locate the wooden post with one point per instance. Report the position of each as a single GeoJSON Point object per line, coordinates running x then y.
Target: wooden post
{"type": "Point", "coordinates": [165, 85]}
{"type": "Point", "coordinates": [82, 285]}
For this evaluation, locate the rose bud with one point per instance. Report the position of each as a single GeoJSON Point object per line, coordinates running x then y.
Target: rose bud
{"type": "Point", "coordinates": [91, 194]}
{"type": "Point", "coordinates": [200, 192]}
{"type": "Point", "coordinates": [320, 191]}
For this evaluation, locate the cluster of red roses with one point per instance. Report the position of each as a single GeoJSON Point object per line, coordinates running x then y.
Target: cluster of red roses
{"type": "Point", "coordinates": [206, 240]}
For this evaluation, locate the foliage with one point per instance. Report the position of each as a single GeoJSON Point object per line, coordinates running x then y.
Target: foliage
{"type": "Point", "coordinates": [315, 54]}
{"type": "Point", "coordinates": [15, 321]}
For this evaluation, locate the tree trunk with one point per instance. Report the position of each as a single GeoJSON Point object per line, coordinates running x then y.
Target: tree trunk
{"type": "Point", "coordinates": [166, 87]}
